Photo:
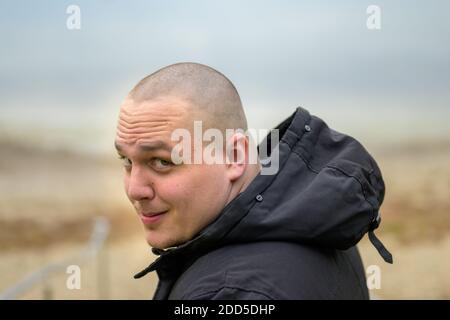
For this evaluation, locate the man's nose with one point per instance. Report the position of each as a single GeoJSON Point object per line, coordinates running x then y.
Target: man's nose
{"type": "Point", "coordinates": [139, 186]}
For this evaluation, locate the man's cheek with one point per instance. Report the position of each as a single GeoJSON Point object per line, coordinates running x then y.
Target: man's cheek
{"type": "Point", "coordinates": [174, 190]}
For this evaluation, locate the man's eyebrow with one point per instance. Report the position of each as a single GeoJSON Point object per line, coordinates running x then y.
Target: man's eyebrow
{"type": "Point", "coordinates": [148, 146]}
{"type": "Point", "coordinates": [151, 146]}
{"type": "Point", "coordinates": [117, 146]}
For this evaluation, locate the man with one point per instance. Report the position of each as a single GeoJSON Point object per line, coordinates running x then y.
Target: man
{"type": "Point", "coordinates": [224, 230]}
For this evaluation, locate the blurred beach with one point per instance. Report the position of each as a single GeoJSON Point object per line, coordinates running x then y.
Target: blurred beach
{"type": "Point", "coordinates": [49, 199]}
{"type": "Point", "coordinates": [61, 88]}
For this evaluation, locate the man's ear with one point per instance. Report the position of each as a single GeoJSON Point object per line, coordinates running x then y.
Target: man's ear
{"type": "Point", "coordinates": [237, 149]}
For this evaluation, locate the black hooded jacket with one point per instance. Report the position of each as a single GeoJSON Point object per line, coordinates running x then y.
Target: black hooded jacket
{"type": "Point", "coordinates": [290, 235]}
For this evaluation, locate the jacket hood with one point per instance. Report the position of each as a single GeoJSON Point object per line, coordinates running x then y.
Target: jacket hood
{"type": "Point", "coordinates": [327, 191]}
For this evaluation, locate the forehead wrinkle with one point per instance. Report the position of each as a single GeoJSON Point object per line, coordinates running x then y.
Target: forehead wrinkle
{"type": "Point", "coordinates": [141, 128]}
{"type": "Point", "coordinates": [144, 122]}
{"type": "Point", "coordinates": [144, 134]}
{"type": "Point", "coordinates": [149, 110]}
{"type": "Point", "coordinates": [127, 136]}
{"type": "Point", "coordinates": [148, 120]}
{"type": "Point", "coordinates": [144, 128]}
{"type": "Point", "coordinates": [171, 105]}
{"type": "Point", "coordinates": [136, 127]}
{"type": "Point", "coordinates": [151, 119]}
{"type": "Point", "coordinates": [127, 124]}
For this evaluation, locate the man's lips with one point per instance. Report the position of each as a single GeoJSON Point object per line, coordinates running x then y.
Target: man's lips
{"type": "Point", "coordinates": [151, 214]}
{"type": "Point", "coordinates": [151, 217]}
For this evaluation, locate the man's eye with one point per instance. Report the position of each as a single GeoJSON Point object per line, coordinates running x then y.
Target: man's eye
{"type": "Point", "coordinates": [161, 163]}
{"type": "Point", "coordinates": [125, 161]}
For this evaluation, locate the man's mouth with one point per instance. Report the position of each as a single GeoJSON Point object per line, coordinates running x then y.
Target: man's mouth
{"type": "Point", "coordinates": [151, 214]}
{"type": "Point", "coordinates": [151, 217]}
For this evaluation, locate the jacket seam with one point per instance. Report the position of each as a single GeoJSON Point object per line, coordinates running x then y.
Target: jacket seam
{"type": "Point", "coordinates": [363, 189]}
{"type": "Point", "coordinates": [361, 234]}
{"type": "Point", "coordinates": [306, 162]}
{"type": "Point", "coordinates": [232, 287]}
{"type": "Point", "coordinates": [341, 171]}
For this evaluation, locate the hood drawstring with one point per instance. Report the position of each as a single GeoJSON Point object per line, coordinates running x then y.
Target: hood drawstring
{"type": "Point", "coordinates": [384, 253]}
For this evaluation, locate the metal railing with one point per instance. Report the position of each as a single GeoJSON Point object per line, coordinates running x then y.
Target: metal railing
{"type": "Point", "coordinates": [90, 251]}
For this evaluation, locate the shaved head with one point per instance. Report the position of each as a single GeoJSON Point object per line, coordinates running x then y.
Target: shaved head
{"type": "Point", "coordinates": [211, 96]}
{"type": "Point", "coordinates": [175, 200]}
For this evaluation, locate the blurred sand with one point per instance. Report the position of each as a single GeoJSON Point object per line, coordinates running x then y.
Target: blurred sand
{"type": "Point", "coordinates": [49, 198]}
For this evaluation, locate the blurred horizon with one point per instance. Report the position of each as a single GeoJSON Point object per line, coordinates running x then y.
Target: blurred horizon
{"type": "Point", "coordinates": [61, 89]}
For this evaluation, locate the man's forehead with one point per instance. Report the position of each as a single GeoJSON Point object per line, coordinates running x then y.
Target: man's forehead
{"type": "Point", "coordinates": [148, 126]}
{"type": "Point", "coordinates": [151, 118]}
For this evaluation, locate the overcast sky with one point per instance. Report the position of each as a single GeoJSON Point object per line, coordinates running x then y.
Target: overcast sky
{"type": "Point", "coordinates": [279, 54]}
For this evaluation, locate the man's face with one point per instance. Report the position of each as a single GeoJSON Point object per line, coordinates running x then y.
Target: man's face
{"type": "Point", "coordinates": [174, 202]}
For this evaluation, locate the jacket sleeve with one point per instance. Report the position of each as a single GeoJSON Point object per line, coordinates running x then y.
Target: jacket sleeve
{"type": "Point", "coordinates": [230, 293]}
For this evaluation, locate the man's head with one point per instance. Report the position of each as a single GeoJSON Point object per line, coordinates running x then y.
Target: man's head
{"type": "Point", "coordinates": [189, 196]}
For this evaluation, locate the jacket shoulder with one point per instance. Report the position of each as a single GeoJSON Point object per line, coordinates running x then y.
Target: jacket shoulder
{"type": "Point", "coordinates": [273, 270]}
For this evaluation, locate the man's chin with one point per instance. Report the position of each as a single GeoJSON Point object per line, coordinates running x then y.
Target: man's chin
{"type": "Point", "coordinates": [156, 243]}
{"type": "Point", "coordinates": [161, 244]}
